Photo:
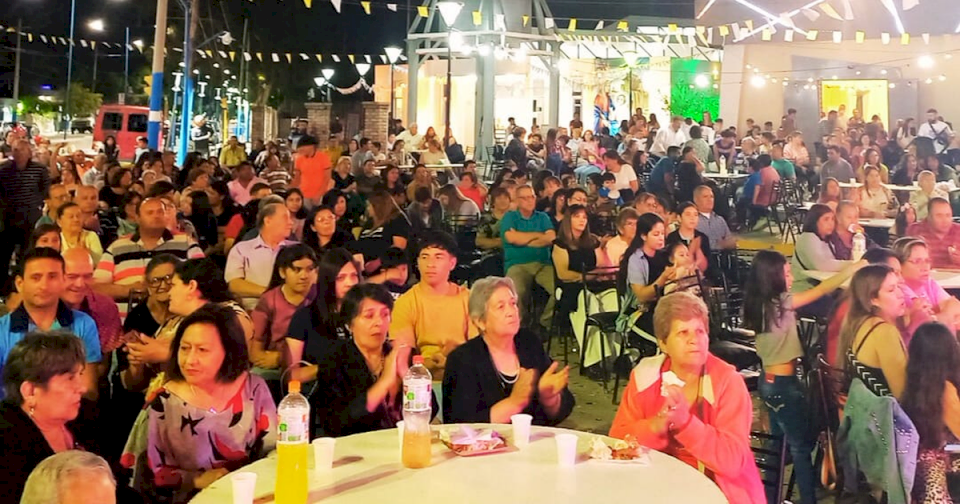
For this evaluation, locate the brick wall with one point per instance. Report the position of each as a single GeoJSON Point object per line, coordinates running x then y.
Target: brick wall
{"type": "Point", "coordinates": [263, 123]}
{"type": "Point", "coordinates": [319, 116]}
{"type": "Point", "coordinates": [376, 118]}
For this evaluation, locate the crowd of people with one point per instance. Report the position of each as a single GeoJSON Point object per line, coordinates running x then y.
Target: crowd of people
{"type": "Point", "coordinates": [154, 309]}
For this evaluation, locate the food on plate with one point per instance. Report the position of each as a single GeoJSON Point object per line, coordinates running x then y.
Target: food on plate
{"type": "Point", "coordinates": [623, 449]}
{"type": "Point", "coordinates": [466, 440]}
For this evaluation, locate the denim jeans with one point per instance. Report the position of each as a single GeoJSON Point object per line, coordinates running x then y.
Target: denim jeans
{"type": "Point", "coordinates": [790, 417]}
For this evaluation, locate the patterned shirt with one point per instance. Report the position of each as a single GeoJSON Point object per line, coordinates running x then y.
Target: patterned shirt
{"type": "Point", "coordinates": [23, 190]}
{"type": "Point", "coordinates": [125, 261]}
{"type": "Point", "coordinates": [105, 314]}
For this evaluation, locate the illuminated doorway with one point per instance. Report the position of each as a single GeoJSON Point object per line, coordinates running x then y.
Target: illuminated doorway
{"type": "Point", "coordinates": [871, 97]}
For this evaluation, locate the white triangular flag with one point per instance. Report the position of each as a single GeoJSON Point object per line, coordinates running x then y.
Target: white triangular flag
{"type": "Point", "coordinates": [336, 4]}
{"type": "Point", "coordinates": [247, 56]}
{"type": "Point", "coordinates": [909, 4]}
{"type": "Point", "coordinates": [736, 30]}
{"type": "Point", "coordinates": [392, 6]}
{"type": "Point", "coordinates": [788, 36]}
{"type": "Point", "coordinates": [926, 38]}
{"type": "Point", "coordinates": [43, 38]}
{"type": "Point", "coordinates": [885, 38]}
{"type": "Point", "coordinates": [275, 57]}
{"type": "Point", "coordinates": [367, 57]}
{"type": "Point", "coordinates": [847, 10]}
{"type": "Point", "coordinates": [383, 59]}
{"type": "Point", "coordinates": [304, 56]}
{"type": "Point", "coordinates": [710, 36]}
{"type": "Point", "coordinates": [599, 26]}
{"type": "Point", "coordinates": [83, 43]}
{"type": "Point", "coordinates": [223, 54]}
{"type": "Point", "coordinates": [837, 37]}
{"type": "Point", "coordinates": [202, 54]}
{"type": "Point", "coordinates": [499, 22]}
{"type": "Point", "coordinates": [811, 14]}
{"type": "Point", "coordinates": [336, 58]}
{"type": "Point", "coordinates": [548, 23]}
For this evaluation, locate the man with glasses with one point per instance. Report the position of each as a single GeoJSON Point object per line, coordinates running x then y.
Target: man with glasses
{"type": "Point", "coordinates": [57, 197]}
{"type": "Point", "coordinates": [527, 238]}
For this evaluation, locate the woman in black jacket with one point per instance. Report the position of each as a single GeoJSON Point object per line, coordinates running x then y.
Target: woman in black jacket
{"type": "Point", "coordinates": [505, 371]}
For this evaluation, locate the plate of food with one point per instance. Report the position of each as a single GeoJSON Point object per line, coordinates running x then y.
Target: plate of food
{"type": "Point", "coordinates": [467, 442]}
{"type": "Point", "coordinates": [623, 451]}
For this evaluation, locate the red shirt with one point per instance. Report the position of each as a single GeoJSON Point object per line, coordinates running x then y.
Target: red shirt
{"type": "Point", "coordinates": [315, 173]}
{"type": "Point", "coordinates": [474, 194]}
{"type": "Point", "coordinates": [937, 245]}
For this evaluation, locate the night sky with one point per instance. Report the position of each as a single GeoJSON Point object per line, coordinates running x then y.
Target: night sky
{"type": "Point", "coordinates": [276, 26]}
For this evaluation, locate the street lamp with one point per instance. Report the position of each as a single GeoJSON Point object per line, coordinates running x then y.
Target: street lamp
{"type": "Point", "coordinates": [393, 54]}
{"type": "Point", "coordinates": [96, 25]}
{"type": "Point", "coordinates": [449, 11]}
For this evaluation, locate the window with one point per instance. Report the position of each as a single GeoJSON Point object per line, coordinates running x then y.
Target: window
{"type": "Point", "coordinates": [137, 123]}
{"type": "Point", "coordinates": [112, 121]}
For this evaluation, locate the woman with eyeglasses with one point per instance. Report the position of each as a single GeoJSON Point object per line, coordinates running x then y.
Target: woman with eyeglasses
{"type": "Point", "coordinates": [924, 298]}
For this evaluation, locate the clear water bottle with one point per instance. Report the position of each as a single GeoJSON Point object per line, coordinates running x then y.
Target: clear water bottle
{"type": "Point", "coordinates": [859, 245]}
{"type": "Point", "coordinates": [417, 407]}
{"type": "Point", "coordinates": [293, 440]}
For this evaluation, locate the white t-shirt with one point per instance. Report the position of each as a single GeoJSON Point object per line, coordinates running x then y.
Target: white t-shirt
{"type": "Point", "coordinates": [624, 177]}
{"type": "Point", "coordinates": [410, 142]}
{"type": "Point", "coordinates": [938, 128]}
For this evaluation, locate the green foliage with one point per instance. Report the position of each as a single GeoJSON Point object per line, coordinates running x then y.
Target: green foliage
{"type": "Point", "coordinates": [84, 102]}
{"type": "Point", "coordinates": [686, 99]}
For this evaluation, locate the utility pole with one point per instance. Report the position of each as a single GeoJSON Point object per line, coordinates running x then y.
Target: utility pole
{"type": "Point", "coordinates": [66, 96]}
{"type": "Point", "coordinates": [126, 64]}
{"type": "Point", "coordinates": [156, 83]}
{"type": "Point", "coordinates": [191, 18]}
{"type": "Point", "coordinates": [93, 85]}
{"type": "Point", "coordinates": [16, 71]}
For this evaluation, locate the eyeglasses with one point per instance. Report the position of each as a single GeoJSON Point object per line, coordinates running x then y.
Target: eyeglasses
{"type": "Point", "coordinates": [166, 279]}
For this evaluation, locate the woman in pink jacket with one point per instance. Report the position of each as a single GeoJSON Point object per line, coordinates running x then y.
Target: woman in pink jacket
{"type": "Point", "coordinates": [689, 404]}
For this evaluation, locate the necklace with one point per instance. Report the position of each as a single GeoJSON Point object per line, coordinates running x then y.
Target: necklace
{"type": "Point", "coordinates": [506, 379]}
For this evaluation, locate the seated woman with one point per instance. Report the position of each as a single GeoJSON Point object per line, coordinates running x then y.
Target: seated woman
{"type": "Point", "coordinates": [434, 154]}
{"type": "Point", "coordinates": [456, 206]}
{"type": "Point", "coordinates": [932, 402]}
{"type": "Point", "coordinates": [505, 371]}
{"type": "Point", "coordinates": [924, 298]}
{"type": "Point", "coordinates": [314, 329]}
{"type": "Point", "coordinates": [388, 227]}
{"type": "Point", "coordinates": [362, 377]}
{"type": "Point", "coordinates": [830, 193]}
{"type": "Point", "coordinates": [812, 251]}
{"type": "Point", "coordinates": [421, 178]}
{"type": "Point", "coordinates": [705, 421]}
{"type": "Point", "coordinates": [292, 286]}
{"type": "Point", "coordinates": [696, 241]}
{"type": "Point", "coordinates": [230, 413]}
{"type": "Point", "coordinates": [322, 233]}
{"type": "Point", "coordinates": [43, 385]}
{"type": "Point", "coordinates": [876, 201]}
{"type": "Point", "coordinates": [72, 234]}
{"type": "Point", "coordinates": [337, 200]}
{"type": "Point", "coordinates": [643, 275]}
{"type": "Point", "coordinates": [870, 346]}
{"type": "Point", "coordinates": [194, 284]}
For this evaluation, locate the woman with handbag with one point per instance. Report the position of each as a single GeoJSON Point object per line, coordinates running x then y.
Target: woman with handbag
{"type": "Point", "coordinates": [769, 309]}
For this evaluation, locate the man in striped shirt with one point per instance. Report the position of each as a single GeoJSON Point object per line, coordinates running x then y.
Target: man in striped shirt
{"type": "Point", "coordinates": [123, 266]}
{"type": "Point", "coordinates": [24, 184]}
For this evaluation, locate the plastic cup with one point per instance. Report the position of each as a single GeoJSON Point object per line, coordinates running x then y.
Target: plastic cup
{"type": "Point", "coordinates": [323, 449]}
{"type": "Point", "coordinates": [916, 183]}
{"type": "Point", "coordinates": [566, 449]}
{"type": "Point", "coordinates": [521, 429]}
{"type": "Point", "coordinates": [400, 436]}
{"type": "Point", "coordinates": [243, 484]}
{"type": "Point", "coordinates": [853, 181]}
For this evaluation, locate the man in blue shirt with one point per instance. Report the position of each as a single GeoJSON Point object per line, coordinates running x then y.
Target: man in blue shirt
{"type": "Point", "coordinates": [662, 176]}
{"type": "Point", "coordinates": [527, 238]}
{"type": "Point", "coordinates": [40, 283]}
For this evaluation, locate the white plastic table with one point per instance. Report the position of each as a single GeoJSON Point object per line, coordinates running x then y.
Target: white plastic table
{"type": "Point", "coordinates": [877, 223]}
{"type": "Point", "coordinates": [367, 469]}
{"type": "Point", "coordinates": [948, 279]}
{"type": "Point", "coordinates": [725, 176]}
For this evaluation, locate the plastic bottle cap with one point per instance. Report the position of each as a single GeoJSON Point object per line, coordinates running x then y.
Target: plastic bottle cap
{"type": "Point", "coordinates": [418, 359]}
{"type": "Point", "coordinates": [294, 386]}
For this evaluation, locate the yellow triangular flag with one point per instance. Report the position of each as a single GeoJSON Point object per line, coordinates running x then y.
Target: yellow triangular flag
{"type": "Point", "coordinates": [623, 26]}
{"type": "Point", "coordinates": [672, 27]}
{"type": "Point", "coordinates": [830, 11]}
{"type": "Point", "coordinates": [749, 24]}
{"type": "Point", "coordinates": [860, 36]}
{"type": "Point", "coordinates": [93, 44]}
{"type": "Point", "coordinates": [233, 54]}
{"type": "Point", "coordinates": [812, 35]}
{"type": "Point", "coordinates": [308, 3]}
{"type": "Point", "coordinates": [422, 11]}
{"type": "Point", "coordinates": [724, 30]}
{"type": "Point", "coordinates": [766, 35]}
{"type": "Point", "coordinates": [366, 7]}
{"type": "Point", "coordinates": [289, 58]}
{"type": "Point", "coordinates": [905, 39]}
{"type": "Point", "coordinates": [260, 57]}
{"type": "Point", "coordinates": [320, 58]}
{"type": "Point", "coordinates": [209, 53]}
{"type": "Point", "coordinates": [526, 19]}
{"type": "Point", "coordinates": [352, 58]}
{"type": "Point", "coordinates": [573, 25]}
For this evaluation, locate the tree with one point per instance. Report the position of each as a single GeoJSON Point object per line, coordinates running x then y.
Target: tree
{"type": "Point", "coordinates": [84, 102]}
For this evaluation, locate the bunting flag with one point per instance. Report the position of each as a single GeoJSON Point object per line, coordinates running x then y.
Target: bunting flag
{"type": "Point", "coordinates": [275, 57]}
{"type": "Point", "coordinates": [351, 58]}
{"type": "Point", "coordinates": [812, 35]}
{"type": "Point", "coordinates": [289, 58]}
{"type": "Point", "coordinates": [223, 54]}
{"type": "Point", "coordinates": [526, 19]}
{"type": "Point", "coordinates": [336, 4]}
{"type": "Point", "coordinates": [749, 24]}
{"type": "Point", "coordinates": [837, 37]}
{"type": "Point", "coordinates": [623, 26]}
{"type": "Point", "coordinates": [477, 18]}
{"type": "Point", "coordinates": [672, 28]}
{"type": "Point", "coordinates": [392, 7]}
{"type": "Point", "coordinates": [500, 22]}
{"type": "Point", "coordinates": [335, 58]}
{"type": "Point", "coordinates": [572, 25]}
{"type": "Point", "coordinates": [367, 57]}
{"type": "Point", "coordinates": [548, 23]}
{"type": "Point", "coordinates": [830, 11]}
{"type": "Point", "coordinates": [909, 4]}
{"type": "Point", "coordinates": [905, 39]}
{"type": "Point", "coordinates": [93, 45]}
{"type": "Point", "coordinates": [735, 29]}
{"type": "Point", "coordinates": [319, 58]}
{"type": "Point", "coordinates": [926, 38]}
{"type": "Point", "coordinates": [847, 10]}
{"type": "Point", "coordinates": [233, 55]}
{"type": "Point", "coordinates": [788, 36]}
{"type": "Point", "coordinates": [885, 38]}
{"type": "Point", "coordinates": [308, 3]}
{"type": "Point", "coordinates": [83, 43]}
{"type": "Point", "coordinates": [366, 7]}
{"type": "Point", "coordinates": [599, 25]}
{"type": "Point", "coordinates": [766, 35]}
{"type": "Point", "coordinates": [724, 30]}
{"type": "Point", "coordinates": [304, 56]}
{"type": "Point", "coordinates": [209, 53]}
{"type": "Point", "coordinates": [422, 11]}
{"type": "Point", "coordinates": [247, 56]}
{"type": "Point", "coordinates": [260, 57]}
{"type": "Point", "coordinates": [811, 14]}
{"type": "Point", "coordinates": [43, 38]}
{"type": "Point", "coordinates": [861, 36]}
